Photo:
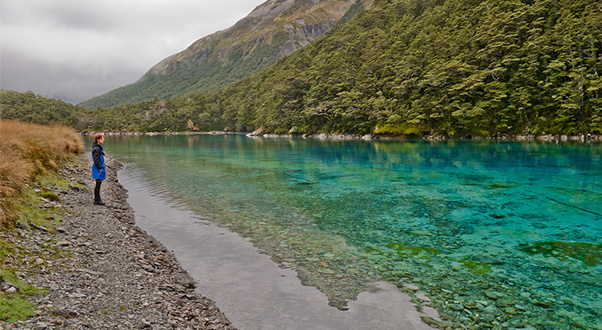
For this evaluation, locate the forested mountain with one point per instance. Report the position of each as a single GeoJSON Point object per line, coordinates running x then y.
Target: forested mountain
{"type": "Point", "coordinates": [36, 109]}
{"type": "Point", "coordinates": [273, 30]}
{"type": "Point", "coordinates": [455, 68]}
{"type": "Point", "coordinates": [416, 67]}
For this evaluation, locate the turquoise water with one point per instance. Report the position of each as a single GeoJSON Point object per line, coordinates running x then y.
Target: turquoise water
{"type": "Point", "coordinates": [498, 234]}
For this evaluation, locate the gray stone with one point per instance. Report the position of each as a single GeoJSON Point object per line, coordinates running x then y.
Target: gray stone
{"type": "Point", "coordinates": [411, 287]}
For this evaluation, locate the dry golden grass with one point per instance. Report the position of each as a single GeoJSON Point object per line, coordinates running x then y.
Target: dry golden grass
{"type": "Point", "coordinates": [26, 151]}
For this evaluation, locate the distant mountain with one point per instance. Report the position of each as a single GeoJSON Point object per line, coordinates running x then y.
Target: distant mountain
{"type": "Point", "coordinates": [271, 31]}
{"type": "Point", "coordinates": [453, 68]}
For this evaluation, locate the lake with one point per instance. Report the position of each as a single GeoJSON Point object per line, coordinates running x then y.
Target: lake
{"type": "Point", "coordinates": [500, 234]}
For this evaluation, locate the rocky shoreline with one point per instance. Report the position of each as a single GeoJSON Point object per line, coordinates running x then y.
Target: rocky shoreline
{"type": "Point", "coordinates": [100, 270]}
{"type": "Point", "coordinates": [553, 138]}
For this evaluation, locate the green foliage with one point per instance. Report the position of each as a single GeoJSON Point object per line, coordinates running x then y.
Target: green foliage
{"type": "Point", "coordinates": [399, 130]}
{"type": "Point", "coordinates": [458, 68]}
{"type": "Point", "coordinates": [32, 108]}
{"type": "Point", "coordinates": [53, 179]}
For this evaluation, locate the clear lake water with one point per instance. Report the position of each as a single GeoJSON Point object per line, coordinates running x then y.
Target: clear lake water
{"type": "Point", "coordinates": [497, 234]}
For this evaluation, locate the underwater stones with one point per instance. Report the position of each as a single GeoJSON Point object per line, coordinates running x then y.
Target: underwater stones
{"type": "Point", "coordinates": [520, 307]}
{"type": "Point", "coordinates": [457, 307]}
{"type": "Point", "coordinates": [493, 294]}
{"type": "Point", "coordinates": [456, 266]}
{"type": "Point", "coordinates": [429, 321]}
{"type": "Point", "coordinates": [557, 283]}
{"type": "Point", "coordinates": [447, 291]}
{"type": "Point", "coordinates": [590, 280]}
{"type": "Point", "coordinates": [421, 232]}
{"type": "Point", "coordinates": [486, 259]}
{"type": "Point", "coordinates": [491, 310]}
{"type": "Point", "coordinates": [505, 302]}
{"type": "Point", "coordinates": [477, 267]}
{"type": "Point", "coordinates": [423, 297]}
{"type": "Point", "coordinates": [499, 186]}
{"type": "Point", "coordinates": [590, 254]}
{"type": "Point", "coordinates": [539, 225]}
{"type": "Point", "coordinates": [481, 304]}
{"type": "Point", "coordinates": [543, 304]}
{"type": "Point", "coordinates": [326, 271]}
{"type": "Point", "coordinates": [487, 317]}
{"type": "Point", "coordinates": [411, 287]}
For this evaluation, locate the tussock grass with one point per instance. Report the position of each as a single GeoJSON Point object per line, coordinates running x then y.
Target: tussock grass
{"type": "Point", "coordinates": [26, 152]}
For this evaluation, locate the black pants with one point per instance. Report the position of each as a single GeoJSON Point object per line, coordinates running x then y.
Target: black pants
{"type": "Point", "coordinates": [97, 190]}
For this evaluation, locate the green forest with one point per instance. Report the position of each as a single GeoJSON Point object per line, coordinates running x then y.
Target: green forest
{"type": "Point", "coordinates": [32, 108]}
{"type": "Point", "coordinates": [455, 68]}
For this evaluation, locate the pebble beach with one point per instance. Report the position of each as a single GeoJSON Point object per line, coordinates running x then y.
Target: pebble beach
{"type": "Point", "coordinates": [101, 271]}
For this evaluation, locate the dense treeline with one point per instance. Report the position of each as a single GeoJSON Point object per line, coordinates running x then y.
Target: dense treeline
{"type": "Point", "coordinates": [32, 108]}
{"type": "Point", "coordinates": [415, 67]}
{"type": "Point", "coordinates": [456, 67]}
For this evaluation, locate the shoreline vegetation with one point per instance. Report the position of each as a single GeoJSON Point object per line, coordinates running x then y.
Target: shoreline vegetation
{"type": "Point", "coordinates": [36, 109]}
{"type": "Point", "coordinates": [30, 156]}
{"type": "Point", "coordinates": [67, 263]}
{"type": "Point", "coordinates": [28, 152]}
{"type": "Point", "coordinates": [369, 137]}
{"type": "Point", "coordinates": [413, 68]}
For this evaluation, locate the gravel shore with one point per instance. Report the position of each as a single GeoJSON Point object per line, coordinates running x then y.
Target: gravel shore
{"type": "Point", "coordinates": [102, 271]}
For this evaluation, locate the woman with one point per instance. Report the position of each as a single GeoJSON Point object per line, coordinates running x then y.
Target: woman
{"type": "Point", "coordinates": [99, 171]}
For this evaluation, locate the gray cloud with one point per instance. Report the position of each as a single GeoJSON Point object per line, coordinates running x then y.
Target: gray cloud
{"type": "Point", "coordinates": [68, 82]}
{"type": "Point", "coordinates": [74, 50]}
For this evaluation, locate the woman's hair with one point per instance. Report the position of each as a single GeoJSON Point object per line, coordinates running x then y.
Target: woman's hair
{"type": "Point", "coordinates": [97, 136]}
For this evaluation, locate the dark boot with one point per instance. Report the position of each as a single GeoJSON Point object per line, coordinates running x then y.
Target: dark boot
{"type": "Point", "coordinates": [99, 202]}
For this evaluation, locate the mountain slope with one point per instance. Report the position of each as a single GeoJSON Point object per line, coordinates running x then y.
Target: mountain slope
{"type": "Point", "coordinates": [271, 31]}
{"type": "Point", "coordinates": [453, 68]}
{"type": "Point", "coordinates": [417, 67]}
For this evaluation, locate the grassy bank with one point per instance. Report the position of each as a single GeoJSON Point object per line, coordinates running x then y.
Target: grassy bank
{"type": "Point", "coordinates": [27, 152]}
{"type": "Point", "coordinates": [30, 157]}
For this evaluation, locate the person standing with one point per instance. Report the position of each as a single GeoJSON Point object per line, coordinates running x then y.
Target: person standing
{"type": "Point", "coordinates": [99, 170]}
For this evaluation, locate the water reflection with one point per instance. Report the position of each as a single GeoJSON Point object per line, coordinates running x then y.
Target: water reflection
{"type": "Point", "coordinates": [482, 227]}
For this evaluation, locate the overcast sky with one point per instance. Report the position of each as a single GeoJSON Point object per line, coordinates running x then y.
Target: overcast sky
{"type": "Point", "coordinates": [73, 50]}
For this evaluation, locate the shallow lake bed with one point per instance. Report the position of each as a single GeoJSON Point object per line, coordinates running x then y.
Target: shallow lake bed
{"type": "Point", "coordinates": [499, 233]}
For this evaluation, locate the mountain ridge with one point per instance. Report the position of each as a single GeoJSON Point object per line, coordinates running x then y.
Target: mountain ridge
{"type": "Point", "coordinates": [273, 30]}
{"type": "Point", "coordinates": [455, 68]}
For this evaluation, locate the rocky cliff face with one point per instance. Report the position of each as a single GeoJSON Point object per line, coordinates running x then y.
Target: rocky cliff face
{"type": "Point", "coordinates": [271, 31]}
{"type": "Point", "coordinates": [287, 24]}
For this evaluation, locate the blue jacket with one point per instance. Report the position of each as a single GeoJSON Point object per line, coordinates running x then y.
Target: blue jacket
{"type": "Point", "coordinates": [99, 162]}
